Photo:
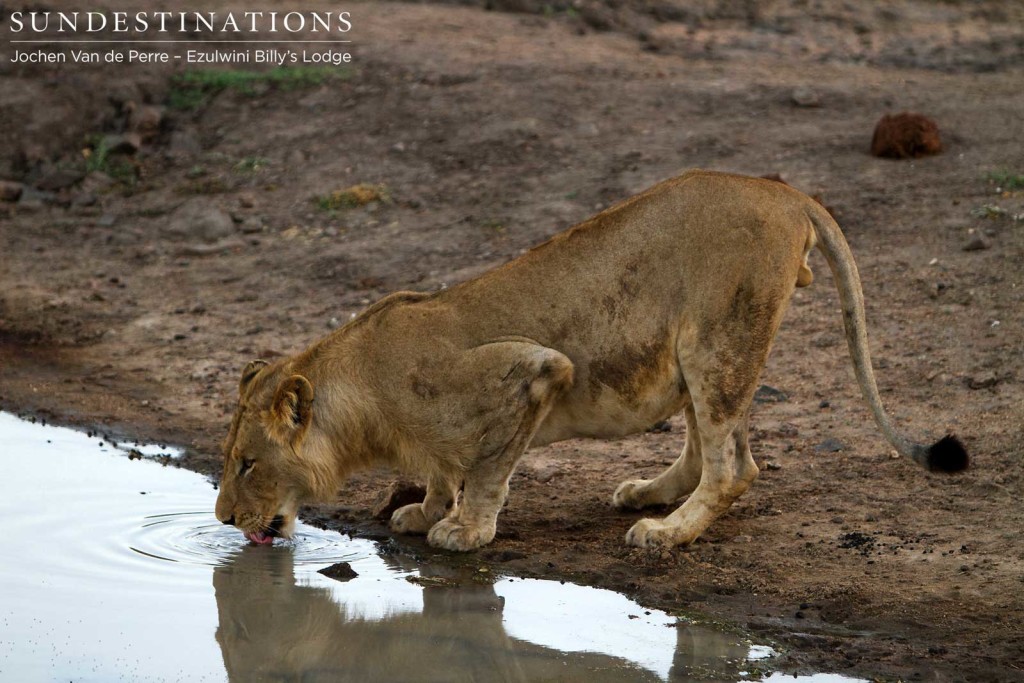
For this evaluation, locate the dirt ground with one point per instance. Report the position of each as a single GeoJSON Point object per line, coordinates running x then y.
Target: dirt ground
{"type": "Point", "coordinates": [135, 284]}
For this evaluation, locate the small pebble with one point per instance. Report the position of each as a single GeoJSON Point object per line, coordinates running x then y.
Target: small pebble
{"type": "Point", "coordinates": [804, 96]}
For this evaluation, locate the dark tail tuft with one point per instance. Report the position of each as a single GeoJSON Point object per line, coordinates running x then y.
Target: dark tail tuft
{"type": "Point", "coordinates": [947, 455]}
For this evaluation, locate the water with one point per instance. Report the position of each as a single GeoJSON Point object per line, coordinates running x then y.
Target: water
{"type": "Point", "coordinates": [116, 569]}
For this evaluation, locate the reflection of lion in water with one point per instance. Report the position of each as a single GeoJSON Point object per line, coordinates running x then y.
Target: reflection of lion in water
{"type": "Point", "coordinates": [273, 629]}
{"type": "Point", "coordinates": [668, 301]}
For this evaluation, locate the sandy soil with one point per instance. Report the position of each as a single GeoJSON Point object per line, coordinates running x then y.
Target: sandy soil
{"type": "Point", "coordinates": [132, 299]}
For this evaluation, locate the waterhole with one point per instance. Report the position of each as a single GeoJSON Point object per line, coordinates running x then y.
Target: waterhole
{"type": "Point", "coordinates": [115, 569]}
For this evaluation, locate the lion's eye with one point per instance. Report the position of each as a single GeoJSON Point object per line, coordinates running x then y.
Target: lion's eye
{"type": "Point", "coordinates": [246, 466]}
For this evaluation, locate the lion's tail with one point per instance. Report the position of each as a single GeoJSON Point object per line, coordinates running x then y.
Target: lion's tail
{"type": "Point", "coordinates": [945, 455]}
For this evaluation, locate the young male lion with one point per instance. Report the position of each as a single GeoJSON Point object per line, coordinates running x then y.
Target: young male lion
{"type": "Point", "coordinates": [667, 301]}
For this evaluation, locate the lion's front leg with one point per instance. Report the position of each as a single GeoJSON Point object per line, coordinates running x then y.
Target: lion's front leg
{"type": "Point", "coordinates": [533, 378]}
{"type": "Point", "coordinates": [418, 518]}
{"type": "Point", "coordinates": [476, 521]}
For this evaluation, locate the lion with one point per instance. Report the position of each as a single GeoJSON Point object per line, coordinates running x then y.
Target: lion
{"type": "Point", "coordinates": [668, 301]}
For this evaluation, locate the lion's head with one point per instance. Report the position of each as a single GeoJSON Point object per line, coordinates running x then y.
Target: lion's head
{"type": "Point", "coordinates": [265, 475]}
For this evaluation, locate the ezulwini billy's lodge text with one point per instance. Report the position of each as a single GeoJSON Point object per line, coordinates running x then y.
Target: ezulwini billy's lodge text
{"type": "Point", "coordinates": [277, 57]}
{"type": "Point", "coordinates": [271, 56]}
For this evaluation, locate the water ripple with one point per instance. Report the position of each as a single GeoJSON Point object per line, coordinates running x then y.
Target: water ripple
{"type": "Point", "coordinates": [190, 538]}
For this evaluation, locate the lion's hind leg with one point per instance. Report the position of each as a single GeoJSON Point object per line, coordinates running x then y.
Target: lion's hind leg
{"type": "Point", "coordinates": [721, 372]}
{"type": "Point", "coordinates": [680, 479]}
{"type": "Point", "coordinates": [728, 471]}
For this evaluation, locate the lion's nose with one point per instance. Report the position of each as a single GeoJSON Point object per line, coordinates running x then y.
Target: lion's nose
{"type": "Point", "coordinates": [229, 520]}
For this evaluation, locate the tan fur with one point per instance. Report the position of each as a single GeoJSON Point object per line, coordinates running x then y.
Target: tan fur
{"type": "Point", "coordinates": [668, 301]}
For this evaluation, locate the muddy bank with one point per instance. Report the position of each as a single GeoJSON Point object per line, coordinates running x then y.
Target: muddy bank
{"type": "Point", "coordinates": [132, 292]}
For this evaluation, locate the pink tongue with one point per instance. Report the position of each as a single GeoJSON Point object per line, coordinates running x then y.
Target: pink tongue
{"type": "Point", "coordinates": [259, 538]}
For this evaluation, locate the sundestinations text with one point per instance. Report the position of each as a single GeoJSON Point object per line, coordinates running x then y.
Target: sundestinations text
{"type": "Point", "coordinates": [180, 22]}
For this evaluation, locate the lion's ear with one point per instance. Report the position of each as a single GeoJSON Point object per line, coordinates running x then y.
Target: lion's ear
{"type": "Point", "coordinates": [249, 372]}
{"type": "Point", "coordinates": [292, 410]}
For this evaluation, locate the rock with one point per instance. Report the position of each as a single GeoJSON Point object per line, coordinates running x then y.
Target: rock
{"type": "Point", "coordinates": [504, 555]}
{"type": "Point", "coordinates": [123, 94]}
{"type": "Point", "coordinates": [252, 225]}
{"type": "Point", "coordinates": [804, 96]}
{"type": "Point", "coordinates": [200, 219]}
{"type": "Point", "coordinates": [84, 199]}
{"type": "Point", "coordinates": [223, 245]}
{"type": "Point", "coordinates": [10, 191]}
{"type": "Point", "coordinates": [184, 143]}
{"type": "Point", "coordinates": [825, 341]}
{"type": "Point", "coordinates": [660, 427]}
{"type": "Point", "coordinates": [987, 380]}
{"type": "Point", "coordinates": [31, 154]}
{"type": "Point", "coordinates": [33, 199]}
{"type": "Point", "coordinates": [786, 430]}
{"type": "Point", "coordinates": [342, 571]}
{"type": "Point", "coordinates": [246, 200]}
{"type": "Point", "coordinates": [96, 182]}
{"type": "Point", "coordinates": [546, 473]}
{"type": "Point", "coordinates": [127, 143]}
{"type": "Point", "coordinates": [58, 179]}
{"type": "Point", "coordinates": [126, 236]}
{"type": "Point", "coordinates": [396, 495]}
{"type": "Point", "coordinates": [772, 465]}
{"type": "Point", "coordinates": [905, 136]}
{"type": "Point", "coordinates": [830, 446]}
{"type": "Point", "coordinates": [597, 16]}
{"type": "Point", "coordinates": [146, 120]}
{"type": "Point", "coordinates": [977, 243]}
{"type": "Point", "coordinates": [30, 205]}
{"type": "Point", "coordinates": [767, 394]}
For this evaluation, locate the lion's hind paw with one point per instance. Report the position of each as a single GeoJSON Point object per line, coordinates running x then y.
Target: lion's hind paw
{"type": "Point", "coordinates": [654, 533]}
{"type": "Point", "coordinates": [630, 495]}
{"type": "Point", "coordinates": [409, 519]}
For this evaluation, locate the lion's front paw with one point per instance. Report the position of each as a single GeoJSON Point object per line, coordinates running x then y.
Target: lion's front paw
{"type": "Point", "coordinates": [629, 495]}
{"type": "Point", "coordinates": [452, 535]}
{"type": "Point", "coordinates": [409, 519]}
{"type": "Point", "coordinates": [653, 533]}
